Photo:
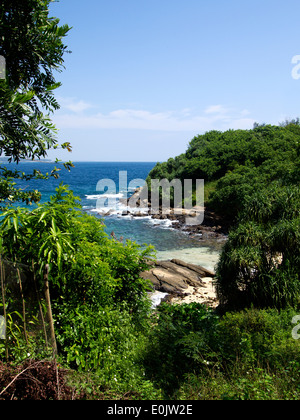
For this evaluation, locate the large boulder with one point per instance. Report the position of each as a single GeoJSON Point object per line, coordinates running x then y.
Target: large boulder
{"type": "Point", "coordinates": [203, 272]}
{"type": "Point", "coordinates": [176, 276]}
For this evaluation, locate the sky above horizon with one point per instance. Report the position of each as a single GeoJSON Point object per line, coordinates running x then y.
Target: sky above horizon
{"type": "Point", "coordinates": [145, 77]}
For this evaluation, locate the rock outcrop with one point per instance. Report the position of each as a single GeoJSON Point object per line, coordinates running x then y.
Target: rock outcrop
{"type": "Point", "coordinates": [176, 276]}
{"type": "Point", "coordinates": [212, 227]}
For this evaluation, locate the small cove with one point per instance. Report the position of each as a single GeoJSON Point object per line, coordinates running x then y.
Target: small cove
{"type": "Point", "coordinates": [169, 243]}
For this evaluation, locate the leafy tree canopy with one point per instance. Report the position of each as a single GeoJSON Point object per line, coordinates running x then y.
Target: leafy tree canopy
{"type": "Point", "coordinates": [238, 162]}
{"type": "Point", "coordinates": [253, 178]}
{"type": "Point", "coordinates": [33, 48]}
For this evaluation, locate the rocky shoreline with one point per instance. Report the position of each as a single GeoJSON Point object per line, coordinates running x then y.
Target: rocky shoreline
{"type": "Point", "coordinates": [213, 226]}
{"type": "Point", "coordinates": [182, 282]}
{"type": "Point", "coordinates": [179, 281]}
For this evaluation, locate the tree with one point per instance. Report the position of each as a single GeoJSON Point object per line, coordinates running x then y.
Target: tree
{"type": "Point", "coordinates": [33, 48]}
{"type": "Point", "coordinates": [260, 262]}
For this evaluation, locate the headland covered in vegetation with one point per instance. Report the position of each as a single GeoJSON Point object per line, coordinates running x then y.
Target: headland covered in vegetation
{"type": "Point", "coordinates": [252, 184]}
{"type": "Point", "coordinates": [76, 319]}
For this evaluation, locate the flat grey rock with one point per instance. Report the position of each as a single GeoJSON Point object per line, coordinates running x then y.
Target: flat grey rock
{"type": "Point", "coordinates": [176, 276]}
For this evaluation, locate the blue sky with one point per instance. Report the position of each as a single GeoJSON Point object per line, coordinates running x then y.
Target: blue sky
{"type": "Point", "coordinates": [145, 77]}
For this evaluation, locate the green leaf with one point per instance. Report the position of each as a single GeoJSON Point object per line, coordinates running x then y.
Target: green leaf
{"type": "Point", "coordinates": [59, 253]}
{"type": "Point", "coordinates": [16, 224]}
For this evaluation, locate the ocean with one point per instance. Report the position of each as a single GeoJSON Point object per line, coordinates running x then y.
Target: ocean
{"type": "Point", "coordinates": [83, 180]}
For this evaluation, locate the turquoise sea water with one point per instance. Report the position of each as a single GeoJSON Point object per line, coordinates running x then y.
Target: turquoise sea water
{"type": "Point", "coordinates": [83, 180]}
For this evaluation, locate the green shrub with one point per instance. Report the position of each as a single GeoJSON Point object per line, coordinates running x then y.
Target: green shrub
{"type": "Point", "coordinates": [108, 344]}
{"type": "Point", "coordinates": [258, 338]}
{"type": "Point", "coordinates": [260, 262]}
{"type": "Point", "coordinates": [88, 272]}
{"type": "Point", "coordinates": [238, 161]}
{"type": "Point", "coordinates": [178, 343]}
{"type": "Point", "coordinates": [242, 353]}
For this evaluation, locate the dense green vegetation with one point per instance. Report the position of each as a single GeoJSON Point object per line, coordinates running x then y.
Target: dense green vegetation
{"type": "Point", "coordinates": [32, 44]}
{"type": "Point", "coordinates": [237, 163]}
{"type": "Point", "coordinates": [252, 179]}
{"type": "Point", "coordinates": [195, 354]}
{"type": "Point", "coordinates": [111, 340]}
{"type": "Point", "coordinates": [108, 338]}
{"type": "Point", "coordinates": [260, 263]}
{"type": "Point", "coordinates": [99, 301]}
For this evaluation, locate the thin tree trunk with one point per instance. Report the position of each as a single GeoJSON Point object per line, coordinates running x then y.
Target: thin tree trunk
{"type": "Point", "coordinates": [4, 303]}
{"type": "Point", "coordinates": [23, 304]}
{"type": "Point", "coordinates": [49, 310]}
{"type": "Point", "coordinates": [40, 305]}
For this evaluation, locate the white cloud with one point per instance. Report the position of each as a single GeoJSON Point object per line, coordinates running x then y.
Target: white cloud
{"type": "Point", "coordinates": [216, 109]}
{"type": "Point", "coordinates": [245, 112]}
{"type": "Point", "coordinates": [74, 105]}
{"type": "Point", "coordinates": [215, 117]}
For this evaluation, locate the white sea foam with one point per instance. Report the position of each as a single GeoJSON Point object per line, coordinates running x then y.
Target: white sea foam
{"type": "Point", "coordinates": [156, 298]}
{"type": "Point", "coordinates": [164, 223]}
{"type": "Point", "coordinates": [96, 197]}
